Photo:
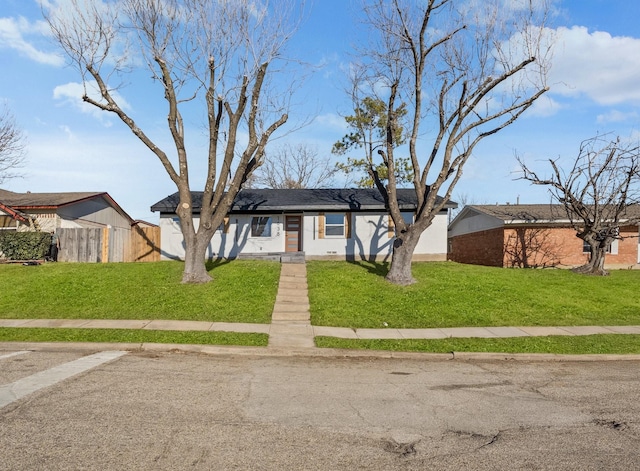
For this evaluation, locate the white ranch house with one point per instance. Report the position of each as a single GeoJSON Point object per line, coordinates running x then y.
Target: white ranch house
{"type": "Point", "coordinates": [339, 224]}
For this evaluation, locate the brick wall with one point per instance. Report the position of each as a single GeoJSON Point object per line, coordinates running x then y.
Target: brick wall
{"type": "Point", "coordinates": [536, 247]}
{"type": "Point", "coordinates": [478, 248]}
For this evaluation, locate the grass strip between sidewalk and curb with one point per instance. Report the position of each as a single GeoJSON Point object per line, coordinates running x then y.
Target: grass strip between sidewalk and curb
{"type": "Point", "coordinates": [563, 345]}
{"type": "Point", "coordinates": [30, 334]}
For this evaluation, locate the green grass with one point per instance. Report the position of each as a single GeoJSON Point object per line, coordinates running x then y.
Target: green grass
{"type": "Point", "coordinates": [448, 294]}
{"type": "Point", "coordinates": [131, 336]}
{"type": "Point", "coordinates": [590, 344]}
{"type": "Point", "coordinates": [342, 294]}
{"type": "Point", "coordinates": [242, 291]}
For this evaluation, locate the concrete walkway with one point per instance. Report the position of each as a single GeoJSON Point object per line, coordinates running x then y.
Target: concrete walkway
{"type": "Point", "coordinates": [291, 327]}
{"type": "Point", "coordinates": [291, 319]}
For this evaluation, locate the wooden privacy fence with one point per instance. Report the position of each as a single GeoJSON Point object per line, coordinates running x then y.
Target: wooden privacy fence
{"type": "Point", "coordinates": [109, 244]}
{"type": "Point", "coordinates": [145, 244]}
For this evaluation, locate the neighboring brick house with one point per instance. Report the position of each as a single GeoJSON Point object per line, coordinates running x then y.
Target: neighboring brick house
{"type": "Point", "coordinates": [534, 235]}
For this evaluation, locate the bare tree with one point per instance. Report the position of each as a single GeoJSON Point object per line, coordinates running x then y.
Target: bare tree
{"type": "Point", "coordinates": [217, 54]}
{"type": "Point", "coordinates": [596, 194]}
{"type": "Point", "coordinates": [466, 70]}
{"type": "Point", "coordinates": [12, 145]}
{"type": "Point", "coordinates": [298, 166]}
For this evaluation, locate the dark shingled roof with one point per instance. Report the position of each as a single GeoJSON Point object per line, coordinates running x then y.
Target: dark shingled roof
{"type": "Point", "coordinates": [270, 200]}
{"type": "Point", "coordinates": [523, 212]}
{"type": "Point", "coordinates": [535, 212]}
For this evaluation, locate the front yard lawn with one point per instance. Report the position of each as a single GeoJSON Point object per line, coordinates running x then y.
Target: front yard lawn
{"type": "Point", "coordinates": [242, 291]}
{"type": "Point", "coordinates": [448, 294]}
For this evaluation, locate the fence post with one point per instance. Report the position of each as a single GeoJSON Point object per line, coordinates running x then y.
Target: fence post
{"type": "Point", "coordinates": [105, 244]}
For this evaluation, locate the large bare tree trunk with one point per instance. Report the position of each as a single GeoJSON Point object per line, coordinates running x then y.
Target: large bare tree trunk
{"type": "Point", "coordinates": [195, 270]}
{"type": "Point", "coordinates": [403, 248]}
{"type": "Point", "coordinates": [595, 265]}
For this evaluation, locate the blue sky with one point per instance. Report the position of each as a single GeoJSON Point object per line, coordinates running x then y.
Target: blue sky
{"type": "Point", "coordinates": [595, 88]}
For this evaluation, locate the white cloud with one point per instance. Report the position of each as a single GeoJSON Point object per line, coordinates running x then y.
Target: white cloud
{"type": "Point", "coordinates": [544, 106]}
{"type": "Point", "coordinates": [615, 116]}
{"type": "Point", "coordinates": [71, 94]}
{"type": "Point", "coordinates": [332, 121]}
{"type": "Point", "coordinates": [605, 68]}
{"type": "Point", "coordinates": [14, 34]}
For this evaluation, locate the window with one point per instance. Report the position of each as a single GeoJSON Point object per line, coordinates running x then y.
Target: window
{"type": "Point", "coordinates": [261, 226]}
{"type": "Point", "coordinates": [611, 249]}
{"type": "Point", "coordinates": [391, 226]}
{"type": "Point", "coordinates": [334, 225]}
{"type": "Point", "coordinates": [224, 227]}
{"type": "Point", "coordinates": [408, 217]}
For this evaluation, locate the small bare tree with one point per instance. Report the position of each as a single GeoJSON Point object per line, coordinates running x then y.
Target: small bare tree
{"type": "Point", "coordinates": [465, 70]}
{"type": "Point", "coordinates": [298, 166]}
{"type": "Point", "coordinates": [12, 146]}
{"type": "Point", "coordinates": [219, 54]}
{"type": "Point", "coordinates": [597, 194]}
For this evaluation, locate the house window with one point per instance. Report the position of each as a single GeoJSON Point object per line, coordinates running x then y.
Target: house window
{"type": "Point", "coordinates": [224, 227]}
{"type": "Point", "coordinates": [586, 248]}
{"type": "Point", "coordinates": [261, 226]}
{"type": "Point", "coordinates": [408, 217]}
{"type": "Point", "coordinates": [391, 226]}
{"type": "Point", "coordinates": [334, 225]}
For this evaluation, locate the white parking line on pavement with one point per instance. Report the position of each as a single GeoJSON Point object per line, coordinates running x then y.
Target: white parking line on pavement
{"type": "Point", "coordinates": [13, 354]}
{"type": "Point", "coordinates": [18, 389]}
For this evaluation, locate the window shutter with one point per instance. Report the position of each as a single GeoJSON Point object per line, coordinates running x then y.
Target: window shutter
{"type": "Point", "coordinates": [391, 226]}
{"type": "Point", "coordinates": [321, 226]}
{"type": "Point", "coordinates": [226, 225]}
{"type": "Point", "coordinates": [347, 225]}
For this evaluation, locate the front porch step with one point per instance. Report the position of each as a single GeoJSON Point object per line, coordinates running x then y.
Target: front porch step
{"type": "Point", "coordinates": [283, 257]}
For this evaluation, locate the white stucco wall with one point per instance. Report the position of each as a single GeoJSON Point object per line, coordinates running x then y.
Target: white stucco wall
{"type": "Point", "coordinates": [224, 243]}
{"type": "Point", "coordinates": [369, 235]}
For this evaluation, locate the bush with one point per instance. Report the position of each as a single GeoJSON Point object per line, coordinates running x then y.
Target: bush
{"type": "Point", "coordinates": [24, 245]}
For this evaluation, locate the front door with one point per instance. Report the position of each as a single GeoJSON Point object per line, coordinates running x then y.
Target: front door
{"type": "Point", "coordinates": [292, 230]}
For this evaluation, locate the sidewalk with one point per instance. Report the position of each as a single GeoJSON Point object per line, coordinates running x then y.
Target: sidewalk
{"type": "Point", "coordinates": [290, 329]}
{"type": "Point", "coordinates": [291, 322]}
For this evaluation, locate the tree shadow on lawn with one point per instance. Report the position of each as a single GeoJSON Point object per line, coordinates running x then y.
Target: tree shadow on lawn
{"type": "Point", "coordinates": [375, 268]}
{"type": "Point", "coordinates": [212, 264]}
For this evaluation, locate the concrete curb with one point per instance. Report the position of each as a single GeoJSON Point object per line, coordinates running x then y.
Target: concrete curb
{"type": "Point", "coordinates": [274, 352]}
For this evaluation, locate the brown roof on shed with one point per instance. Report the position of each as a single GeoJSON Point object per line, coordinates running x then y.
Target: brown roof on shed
{"type": "Point", "coordinates": [44, 200]}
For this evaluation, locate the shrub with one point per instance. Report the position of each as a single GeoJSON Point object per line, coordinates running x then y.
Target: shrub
{"type": "Point", "coordinates": [24, 245]}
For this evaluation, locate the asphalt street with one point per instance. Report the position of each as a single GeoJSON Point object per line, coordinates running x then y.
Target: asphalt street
{"type": "Point", "coordinates": [193, 411]}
